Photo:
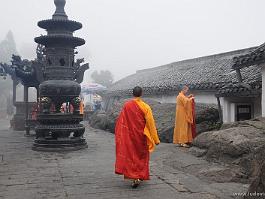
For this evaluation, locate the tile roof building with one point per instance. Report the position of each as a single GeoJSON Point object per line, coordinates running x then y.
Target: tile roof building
{"type": "Point", "coordinates": [221, 79]}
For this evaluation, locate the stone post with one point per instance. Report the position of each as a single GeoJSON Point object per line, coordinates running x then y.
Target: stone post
{"type": "Point", "coordinates": [26, 101]}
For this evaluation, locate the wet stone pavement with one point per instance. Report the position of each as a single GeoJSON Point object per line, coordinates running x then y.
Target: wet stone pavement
{"type": "Point", "coordinates": [88, 173]}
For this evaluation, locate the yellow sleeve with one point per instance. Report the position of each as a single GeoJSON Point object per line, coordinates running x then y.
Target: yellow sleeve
{"type": "Point", "coordinates": [184, 100]}
{"type": "Point", "coordinates": [187, 103]}
{"type": "Point", "coordinates": [150, 128]}
{"type": "Point", "coordinates": [189, 112]}
{"type": "Point", "coordinates": [150, 124]}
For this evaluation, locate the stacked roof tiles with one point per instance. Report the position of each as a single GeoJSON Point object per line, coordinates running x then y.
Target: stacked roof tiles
{"type": "Point", "coordinates": [213, 73]}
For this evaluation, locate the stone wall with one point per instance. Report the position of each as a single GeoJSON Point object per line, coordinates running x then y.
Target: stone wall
{"type": "Point", "coordinates": [207, 118]}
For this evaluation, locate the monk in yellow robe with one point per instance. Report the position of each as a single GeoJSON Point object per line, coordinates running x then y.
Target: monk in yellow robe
{"type": "Point", "coordinates": [135, 137]}
{"type": "Point", "coordinates": [184, 119]}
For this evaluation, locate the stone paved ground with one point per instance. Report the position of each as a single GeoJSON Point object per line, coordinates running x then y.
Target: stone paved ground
{"type": "Point", "coordinates": [26, 174]}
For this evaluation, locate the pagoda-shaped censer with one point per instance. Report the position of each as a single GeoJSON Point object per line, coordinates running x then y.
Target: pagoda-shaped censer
{"type": "Point", "coordinates": [59, 117]}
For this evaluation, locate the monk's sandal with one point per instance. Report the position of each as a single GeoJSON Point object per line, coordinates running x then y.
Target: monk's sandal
{"type": "Point", "coordinates": [136, 183]}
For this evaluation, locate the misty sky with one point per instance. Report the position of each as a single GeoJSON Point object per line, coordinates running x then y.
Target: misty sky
{"type": "Point", "coordinates": [127, 35]}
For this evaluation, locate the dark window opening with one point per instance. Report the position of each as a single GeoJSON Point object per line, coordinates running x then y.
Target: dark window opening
{"type": "Point", "coordinates": [243, 112]}
{"type": "Point", "coordinates": [62, 62]}
{"type": "Point", "coordinates": [49, 62]}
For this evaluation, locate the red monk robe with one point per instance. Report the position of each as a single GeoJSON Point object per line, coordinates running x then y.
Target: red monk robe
{"type": "Point", "coordinates": [135, 136]}
{"type": "Point", "coordinates": [193, 126]}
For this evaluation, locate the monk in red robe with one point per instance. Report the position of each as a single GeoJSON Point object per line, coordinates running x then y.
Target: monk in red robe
{"type": "Point", "coordinates": [135, 136]}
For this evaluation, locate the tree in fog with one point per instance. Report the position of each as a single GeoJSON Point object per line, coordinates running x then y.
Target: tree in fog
{"type": "Point", "coordinates": [104, 77]}
{"type": "Point", "coordinates": [7, 48]}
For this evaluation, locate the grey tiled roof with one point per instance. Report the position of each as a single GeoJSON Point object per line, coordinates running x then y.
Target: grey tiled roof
{"type": "Point", "coordinates": [256, 56]}
{"type": "Point", "coordinates": [204, 73]}
{"type": "Point", "coordinates": [240, 90]}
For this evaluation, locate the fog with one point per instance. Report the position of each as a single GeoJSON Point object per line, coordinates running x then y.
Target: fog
{"type": "Point", "coordinates": [128, 35]}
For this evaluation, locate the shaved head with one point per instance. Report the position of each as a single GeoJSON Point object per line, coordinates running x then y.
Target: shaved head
{"type": "Point", "coordinates": [137, 91]}
{"type": "Point", "coordinates": [185, 89]}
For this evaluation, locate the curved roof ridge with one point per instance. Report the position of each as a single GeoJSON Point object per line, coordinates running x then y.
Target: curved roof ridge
{"type": "Point", "coordinates": [202, 58]}
{"type": "Point", "coordinates": [216, 56]}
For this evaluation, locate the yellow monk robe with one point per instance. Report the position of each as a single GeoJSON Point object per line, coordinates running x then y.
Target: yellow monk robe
{"type": "Point", "coordinates": [184, 120]}
{"type": "Point", "coordinates": [150, 127]}
{"type": "Point", "coordinates": [81, 107]}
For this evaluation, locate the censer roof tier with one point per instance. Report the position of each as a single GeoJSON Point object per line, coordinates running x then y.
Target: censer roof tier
{"type": "Point", "coordinates": [60, 29]}
{"type": "Point", "coordinates": [60, 40]}
{"type": "Point", "coordinates": [57, 24]}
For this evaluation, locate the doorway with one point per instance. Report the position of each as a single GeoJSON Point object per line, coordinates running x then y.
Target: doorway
{"type": "Point", "coordinates": [243, 112]}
